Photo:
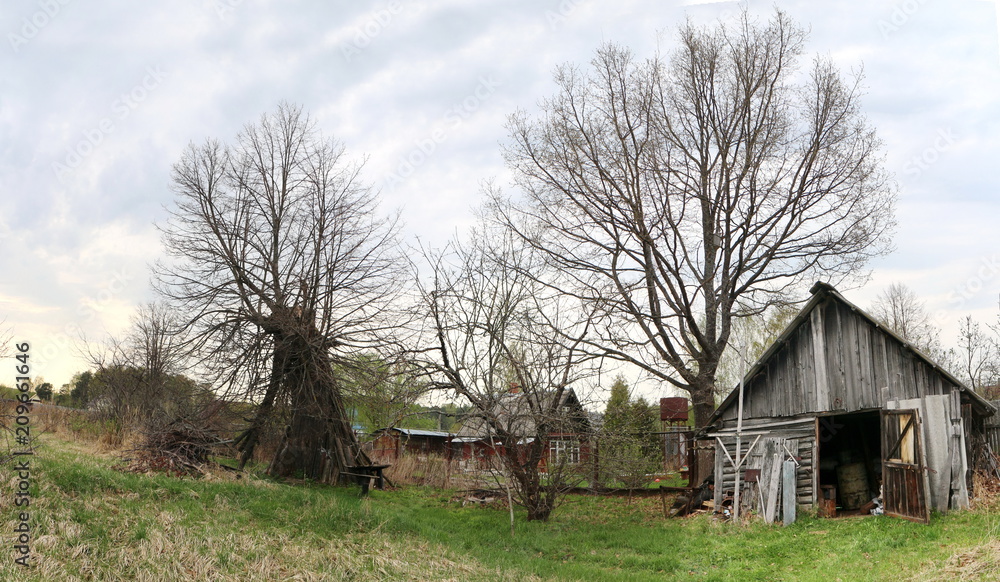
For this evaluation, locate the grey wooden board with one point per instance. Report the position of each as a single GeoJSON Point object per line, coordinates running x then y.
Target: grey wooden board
{"type": "Point", "coordinates": [788, 494]}
{"type": "Point", "coordinates": [773, 490]}
{"type": "Point", "coordinates": [959, 458]}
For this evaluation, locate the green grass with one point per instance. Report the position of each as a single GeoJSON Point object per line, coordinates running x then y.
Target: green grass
{"type": "Point", "coordinates": [95, 523]}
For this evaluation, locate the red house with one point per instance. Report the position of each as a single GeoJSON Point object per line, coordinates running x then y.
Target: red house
{"type": "Point", "coordinates": [516, 421]}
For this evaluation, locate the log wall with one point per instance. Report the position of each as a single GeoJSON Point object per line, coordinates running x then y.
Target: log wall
{"type": "Point", "coordinates": [798, 435]}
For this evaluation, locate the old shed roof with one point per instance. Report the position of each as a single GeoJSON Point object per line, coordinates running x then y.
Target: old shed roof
{"type": "Point", "coordinates": [821, 292]}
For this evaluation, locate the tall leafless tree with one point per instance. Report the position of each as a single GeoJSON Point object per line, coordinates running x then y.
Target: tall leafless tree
{"type": "Point", "coordinates": [978, 355]}
{"type": "Point", "coordinates": [283, 268]}
{"type": "Point", "coordinates": [675, 194]}
{"type": "Point", "coordinates": [491, 342]}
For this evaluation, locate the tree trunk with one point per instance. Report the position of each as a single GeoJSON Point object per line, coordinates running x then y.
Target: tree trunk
{"type": "Point", "coordinates": [703, 402]}
{"type": "Point", "coordinates": [319, 442]}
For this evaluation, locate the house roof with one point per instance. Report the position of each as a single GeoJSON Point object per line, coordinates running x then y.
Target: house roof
{"type": "Point", "coordinates": [513, 412]}
{"type": "Point", "coordinates": [417, 432]}
{"type": "Point", "coordinates": [820, 292]}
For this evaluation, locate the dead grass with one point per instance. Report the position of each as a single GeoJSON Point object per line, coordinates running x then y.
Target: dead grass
{"type": "Point", "coordinates": [433, 471]}
{"type": "Point", "coordinates": [982, 563]}
{"type": "Point", "coordinates": [111, 528]}
{"type": "Point", "coordinates": [172, 551]}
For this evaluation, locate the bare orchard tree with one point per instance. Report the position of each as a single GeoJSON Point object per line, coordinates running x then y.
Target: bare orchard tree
{"type": "Point", "coordinates": [283, 269]}
{"type": "Point", "coordinates": [491, 342]}
{"type": "Point", "coordinates": [679, 193]}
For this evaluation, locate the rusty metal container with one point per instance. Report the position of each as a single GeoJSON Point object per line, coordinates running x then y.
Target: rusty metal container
{"type": "Point", "coordinates": [674, 410]}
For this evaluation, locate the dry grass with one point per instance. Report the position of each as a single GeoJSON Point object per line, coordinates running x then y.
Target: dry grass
{"type": "Point", "coordinates": [982, 563]}
{"type": "Point", "coordinates": [172, 551]}
{"type": "Point", "coordinates": [433, 471]}
{"type": "Point", "coordinates": [128, 527]}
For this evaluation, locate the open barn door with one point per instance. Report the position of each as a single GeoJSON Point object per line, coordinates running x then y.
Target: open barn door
{"type": "Point", "coordinates": [904, 485]}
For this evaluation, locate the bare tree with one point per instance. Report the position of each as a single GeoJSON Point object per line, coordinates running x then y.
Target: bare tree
{"type": "Point", "coordinates": [283, 269]}
{"type": "Point", "coordinates": [678, 193]}
{"type": "Point", "coordinates": [494, 345]}
{"type": "Point", "coordinates": [899, 309]}
{"type": "Point", "coordinates": [136, 375]}
{"type": "Point", "coordinates": [978, 355]}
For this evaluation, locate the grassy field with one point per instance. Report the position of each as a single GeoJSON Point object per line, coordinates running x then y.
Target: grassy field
{"type": "Point", "coordinates": [92, 522]}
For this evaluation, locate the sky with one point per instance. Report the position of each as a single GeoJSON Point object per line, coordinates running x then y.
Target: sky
{"type": "Point", "coordinates": [98, 99]}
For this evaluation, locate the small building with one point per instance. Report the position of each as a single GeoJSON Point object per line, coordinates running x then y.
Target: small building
{"type": "Point", "coordinates": [391, 443]}
{"type": "Point", "coordinates": [860, 411]}
{"type": "Point", "coordinates": [678, 454]}
{"type": "Point", "coordinates": [516, 411]}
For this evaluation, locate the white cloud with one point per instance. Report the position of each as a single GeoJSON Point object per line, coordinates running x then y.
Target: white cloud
{"type": "Point", "coordinates": [65, 241]}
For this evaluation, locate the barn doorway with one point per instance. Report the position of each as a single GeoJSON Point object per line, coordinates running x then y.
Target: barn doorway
{"type": "Point", "coordinates": [850, 462]}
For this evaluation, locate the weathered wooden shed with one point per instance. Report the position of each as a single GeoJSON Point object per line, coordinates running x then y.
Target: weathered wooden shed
{"type": "Point", "coordinates": [859, 409]}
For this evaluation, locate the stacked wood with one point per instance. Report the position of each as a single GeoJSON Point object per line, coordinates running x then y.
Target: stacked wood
{"type": "Point", "coordinates": [179, 447]}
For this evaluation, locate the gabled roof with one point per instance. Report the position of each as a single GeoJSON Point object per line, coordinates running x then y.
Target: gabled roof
{"type": "Point", "coordinates": [820, 292]}
{"type": "Point", "coordinates": [514, 413]}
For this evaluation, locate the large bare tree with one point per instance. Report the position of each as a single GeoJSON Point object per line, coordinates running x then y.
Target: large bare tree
{"type": "Point", "coordinates": [978, 357]}
{"type": "Point", "coordinates": [283, 268]}
{"type": "Point", "coordinates": [490, 340]}
{"type": "Point", "coordinates": [675, 193]}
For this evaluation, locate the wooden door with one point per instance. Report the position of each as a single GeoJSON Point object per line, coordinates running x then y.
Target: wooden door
{"type": "Point", "coordinates": [904, 487]}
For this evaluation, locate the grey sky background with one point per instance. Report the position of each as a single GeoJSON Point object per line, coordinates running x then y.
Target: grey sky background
{"type": "Point", "coordinates": [98, 99]}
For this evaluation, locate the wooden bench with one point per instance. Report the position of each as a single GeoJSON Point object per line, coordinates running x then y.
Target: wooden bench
{"type": "Point", "coordinates": [364, 475]}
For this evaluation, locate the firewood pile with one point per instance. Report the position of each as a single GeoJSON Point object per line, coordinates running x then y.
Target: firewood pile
{"type": "Point", "coordinates": [695, 501]}
{"type": "Point", "coordinates": [179, 448]}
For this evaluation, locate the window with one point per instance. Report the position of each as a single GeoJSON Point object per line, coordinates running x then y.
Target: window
{"type": "Point", "coordinates": [564, 451]}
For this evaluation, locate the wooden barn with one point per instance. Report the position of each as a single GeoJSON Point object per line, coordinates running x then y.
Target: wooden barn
{"type": "Point", "coordinates": [858, 410]}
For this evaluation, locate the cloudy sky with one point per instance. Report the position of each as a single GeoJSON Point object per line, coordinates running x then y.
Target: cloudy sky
{"type": "Point", "coordinates": [98, 99]}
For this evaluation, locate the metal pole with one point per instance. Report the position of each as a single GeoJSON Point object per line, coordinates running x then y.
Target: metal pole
{"type": "Point", "coordinates": [739, 435]}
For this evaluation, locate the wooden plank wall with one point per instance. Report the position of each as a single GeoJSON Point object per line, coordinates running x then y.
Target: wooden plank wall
{"type": "Point", "coordinates": [861, 366]}
{"type": "Point", "coordinates": [800, 437]}
{"type": "Point", "coordinates": [992, 430]}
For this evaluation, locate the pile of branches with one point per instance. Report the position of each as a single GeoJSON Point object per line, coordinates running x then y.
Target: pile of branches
{"type": "Point", "coordinates": [178, 448]}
